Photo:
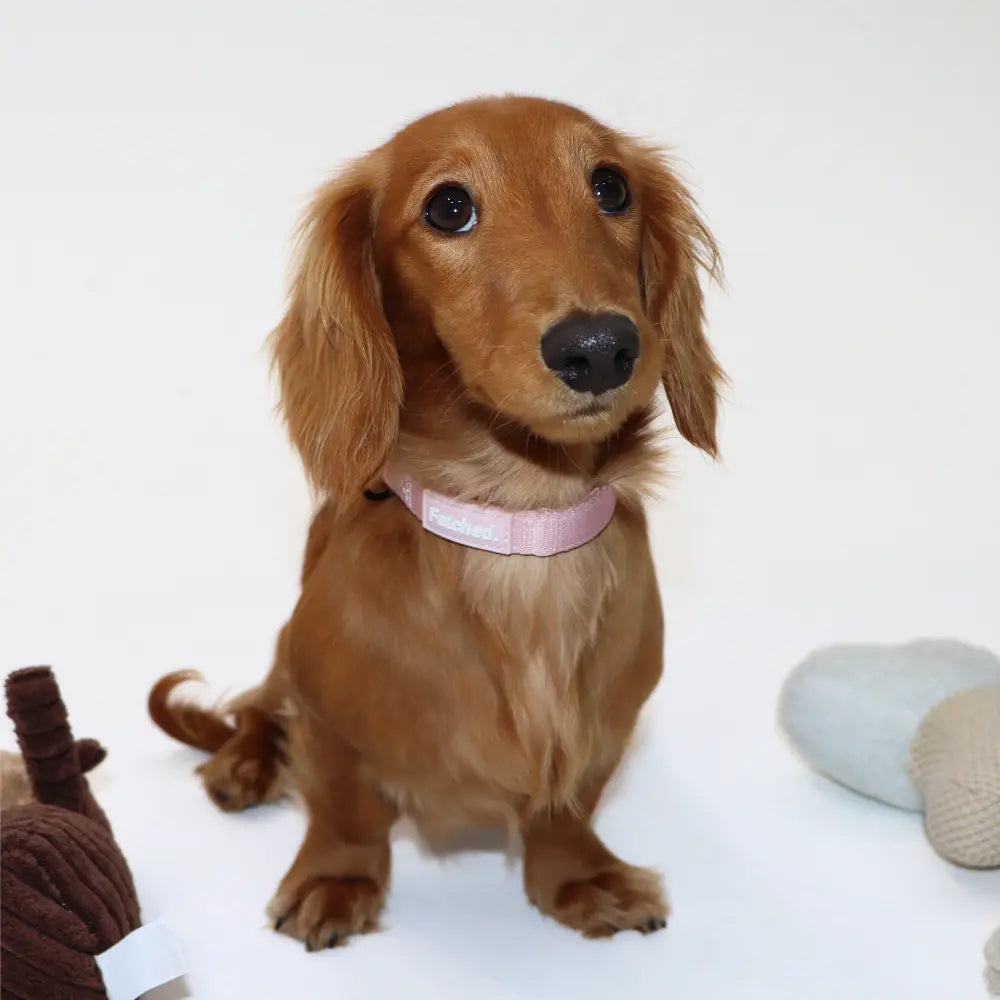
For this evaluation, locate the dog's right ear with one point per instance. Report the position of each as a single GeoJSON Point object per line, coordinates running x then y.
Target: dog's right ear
{"type": "Point", "coordinates": [341, 384]}
{"type": "Point", "coordinates": [676, 245]}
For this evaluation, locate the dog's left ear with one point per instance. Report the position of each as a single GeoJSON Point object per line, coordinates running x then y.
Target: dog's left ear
{"type": "Point", "coordinates": [341, 382]}
{"type": "Point", "coordinates": [676, 244]}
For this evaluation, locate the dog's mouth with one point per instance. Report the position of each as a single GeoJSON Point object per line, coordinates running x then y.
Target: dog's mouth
{"type": "Point", "coordinates": [595, 408]}
{"type": "Point", "coordinates": [551, 412]}
{"type": "Point", "coordinates": [588, 421]}
{"type": "Point", "coordinates": [585, 421]}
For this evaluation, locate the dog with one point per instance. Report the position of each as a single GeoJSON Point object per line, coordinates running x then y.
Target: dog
{"type": "Point", "coordinates": [482, 312]}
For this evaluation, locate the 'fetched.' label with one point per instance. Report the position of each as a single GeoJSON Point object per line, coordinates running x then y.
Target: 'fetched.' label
{"type": "Point", "coordinates": [491, 531]}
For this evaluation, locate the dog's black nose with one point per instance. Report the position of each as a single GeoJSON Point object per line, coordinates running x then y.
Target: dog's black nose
{"type": "Point", "coordinates": [592, 353]}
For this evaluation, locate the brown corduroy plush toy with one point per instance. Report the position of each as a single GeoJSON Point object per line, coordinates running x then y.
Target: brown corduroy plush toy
{"type": "Point", "coordinates": [67, 891]}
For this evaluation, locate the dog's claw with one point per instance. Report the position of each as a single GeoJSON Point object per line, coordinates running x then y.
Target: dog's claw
{"type": "Point", "coordinates": [279, 923]}
{"type": "Point", "coordinates": [333, 940]}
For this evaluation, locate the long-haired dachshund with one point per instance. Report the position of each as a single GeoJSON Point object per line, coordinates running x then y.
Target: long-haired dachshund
{"type": "Point", "coordinates": [481, 316]}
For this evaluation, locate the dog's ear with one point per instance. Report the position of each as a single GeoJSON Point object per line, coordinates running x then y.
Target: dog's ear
{"type": "Point", "coordinates": [341, 385]}
{"type": "Point", "coordinates": [676, 245]}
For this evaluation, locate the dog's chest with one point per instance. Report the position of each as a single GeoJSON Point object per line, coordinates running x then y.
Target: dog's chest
{"type": "Point", "coordinates": [543, 617]}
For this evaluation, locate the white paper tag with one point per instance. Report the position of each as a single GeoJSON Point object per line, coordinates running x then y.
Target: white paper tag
{"type": "Point", "coordinates": [142, 960]}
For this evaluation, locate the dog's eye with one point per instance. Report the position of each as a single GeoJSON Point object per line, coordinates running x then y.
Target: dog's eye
{"type": "Point", "coordinates": [451, 210]}
{"type": "Point", "coordinates": [610, 190]}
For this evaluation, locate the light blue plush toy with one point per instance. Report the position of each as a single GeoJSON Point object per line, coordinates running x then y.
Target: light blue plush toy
{"type": "Point", "coordinates": [853, 710]}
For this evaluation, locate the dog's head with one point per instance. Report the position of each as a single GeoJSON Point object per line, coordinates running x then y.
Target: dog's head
{"type": "Point", "coordinates": [544, 263]}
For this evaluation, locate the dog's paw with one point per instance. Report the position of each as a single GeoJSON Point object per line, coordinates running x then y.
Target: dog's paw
{"type": "Point", "coordinates": [621, 898]}
{"type": "Point", "coordinates": [235, 781]}
{"type": "Point", "coordinates": [323, 912]}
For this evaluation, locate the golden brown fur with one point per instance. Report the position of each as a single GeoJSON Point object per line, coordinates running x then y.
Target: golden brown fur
{"type": "Point", "coordinates": [416, 675]}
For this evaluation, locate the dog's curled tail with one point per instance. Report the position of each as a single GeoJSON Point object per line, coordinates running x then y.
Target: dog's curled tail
{"type": "Point", "coordinates": [203, 728]}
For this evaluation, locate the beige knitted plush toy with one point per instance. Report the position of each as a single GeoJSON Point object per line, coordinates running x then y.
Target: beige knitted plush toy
{"type": "Point", "coordinates": [993, 962]}
{"type": "Point", "coordinates": [955, 764]}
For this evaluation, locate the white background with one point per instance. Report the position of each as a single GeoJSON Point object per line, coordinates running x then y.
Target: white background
{"type": "Point", "coordinates": [155, 158]}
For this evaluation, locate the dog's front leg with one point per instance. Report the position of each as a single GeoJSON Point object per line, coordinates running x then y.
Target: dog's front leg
{"type": "Point", "coordinates": [337, 884]}
{"type": "Point", "coordinates": [569, 874]}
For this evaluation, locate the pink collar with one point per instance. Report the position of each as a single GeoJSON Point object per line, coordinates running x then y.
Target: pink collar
{"type": "Point", "coordinates": [523, 532]}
